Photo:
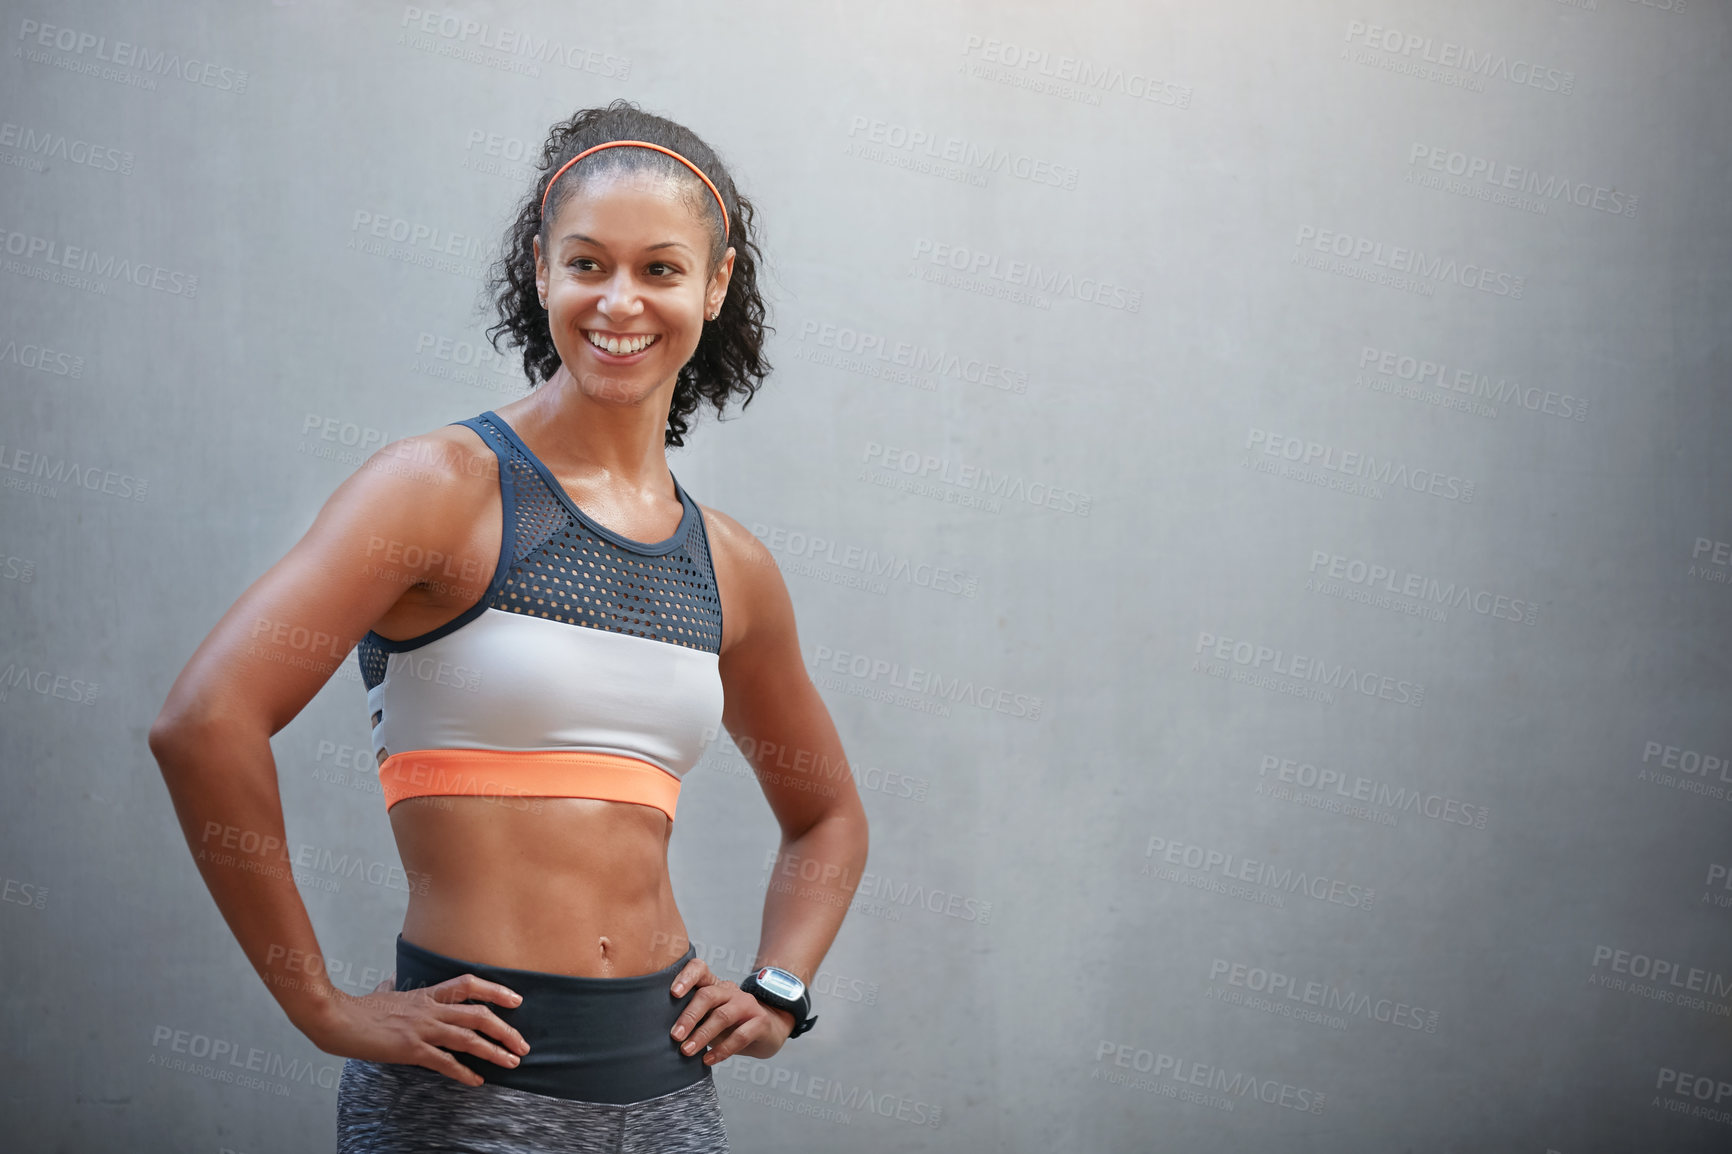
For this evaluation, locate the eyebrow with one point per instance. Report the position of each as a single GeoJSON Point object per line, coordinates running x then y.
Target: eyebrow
{"type": "Point", "coordinates": [598, 244]}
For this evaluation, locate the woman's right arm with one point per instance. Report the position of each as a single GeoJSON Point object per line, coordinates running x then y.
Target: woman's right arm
{"type": "Point", "coordinates": [401, 517]}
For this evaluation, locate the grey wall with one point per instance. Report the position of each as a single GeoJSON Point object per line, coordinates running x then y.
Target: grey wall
{"type": "Point", "coordinates": [1252, 479]}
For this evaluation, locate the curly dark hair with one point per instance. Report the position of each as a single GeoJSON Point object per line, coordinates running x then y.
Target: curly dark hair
{"type": "Point", "coordinates": [729, 359]}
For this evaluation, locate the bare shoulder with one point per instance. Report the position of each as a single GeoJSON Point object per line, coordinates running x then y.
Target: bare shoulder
{"type": "Point", "coordinates": [429, 492]}
{"type": "Point", "coordinates": [755, 598]}
{"type": "Point", "coordinates": [447, 454]}
{"type": "Point", "coordinates": [436, 473]}
{"type": "Point", "coordinates": [411, 513]}
{"type": "Point", "coordinates": [732, 542]}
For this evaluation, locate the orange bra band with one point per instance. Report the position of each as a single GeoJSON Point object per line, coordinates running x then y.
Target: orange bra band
{"type": "Point", "coordinates": [527, 773]}
{"type": "Point", "coordinates": [639, 144]}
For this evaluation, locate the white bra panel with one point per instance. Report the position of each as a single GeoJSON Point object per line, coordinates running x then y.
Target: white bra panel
{"type": "Point", "coordinates": [515, 681]}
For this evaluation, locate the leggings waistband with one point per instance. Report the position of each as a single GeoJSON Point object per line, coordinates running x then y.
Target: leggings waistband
{"type": "Point", "coordinates": [590, 1039]}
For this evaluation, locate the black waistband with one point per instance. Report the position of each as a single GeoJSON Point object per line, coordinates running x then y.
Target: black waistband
{"type": "Point", "coordinates": [590, 1039]}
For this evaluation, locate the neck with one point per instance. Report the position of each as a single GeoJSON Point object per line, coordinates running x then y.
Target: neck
{"type": "Point", "coordinates": [577, 433]}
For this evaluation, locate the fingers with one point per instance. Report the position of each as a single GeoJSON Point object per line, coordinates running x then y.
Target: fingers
{"type": "Point", "coordinates": [696, 975]}
{"type": "Point", "coordinates": [693, 973]}
{"type": "Point", "coordinates": [714, 1008]}
{"type": "Point", "coordinates": [441, 1062]}
{"type": "Point", "coordinates": [483, 1021]}
{"type": "Point", "coordinates": [466, 986]}
{"type": "Point", "coordinates": [389, 984]}
{"type": "Point", "coordinates": [457, 995]}
{"type": "Point", "coordinates": [472, 1027]}
{"type": "Point", "coordinates": [464, 1034]}
{"type": "Point", "coordinates": [757, 1022]}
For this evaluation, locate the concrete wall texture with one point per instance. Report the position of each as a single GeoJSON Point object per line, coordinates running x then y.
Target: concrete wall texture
{"type": "Point", "coordinates": [1252, 479]}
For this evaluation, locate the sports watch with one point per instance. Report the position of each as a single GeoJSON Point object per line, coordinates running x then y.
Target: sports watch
{"type": "Point", "coordinates": [776, 987]}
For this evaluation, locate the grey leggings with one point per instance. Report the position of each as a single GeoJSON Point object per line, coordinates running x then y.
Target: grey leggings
{"type": "Point", "coordinates": [602, 1074]}
{"type": "Point", "coordinates": [384, 1108]}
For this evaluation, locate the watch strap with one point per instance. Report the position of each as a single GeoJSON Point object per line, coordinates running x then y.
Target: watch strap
{"type": "Point", "coordinates": [801, 1010]}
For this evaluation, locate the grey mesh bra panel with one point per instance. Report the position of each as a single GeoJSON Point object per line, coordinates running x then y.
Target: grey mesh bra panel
{"type": "Point", "coordinates": [556, 562]}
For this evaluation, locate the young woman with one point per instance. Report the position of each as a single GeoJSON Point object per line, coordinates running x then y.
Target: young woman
{"type": "Point", "coordinates": [550, 631]}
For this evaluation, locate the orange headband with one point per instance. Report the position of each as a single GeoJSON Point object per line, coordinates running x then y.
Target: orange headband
{"type": "Point", "coordinates": [639, 144]}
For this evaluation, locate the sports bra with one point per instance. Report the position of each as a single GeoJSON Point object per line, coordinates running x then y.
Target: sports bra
{"type": "Point", "coordinates": [589, 668]}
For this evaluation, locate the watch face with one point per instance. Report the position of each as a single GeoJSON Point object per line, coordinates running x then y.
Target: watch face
{"type": "Point", "coordinates": [780, 983]}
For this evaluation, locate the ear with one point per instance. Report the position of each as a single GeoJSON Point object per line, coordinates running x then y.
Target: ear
{"type": "Point", "coordinates": [718, 289]}
{"type": "Point", "coordinates": [540, 271]}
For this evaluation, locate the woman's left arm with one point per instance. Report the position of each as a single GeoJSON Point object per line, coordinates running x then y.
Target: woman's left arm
{"type": "Point", "coordinates": [774, 714]}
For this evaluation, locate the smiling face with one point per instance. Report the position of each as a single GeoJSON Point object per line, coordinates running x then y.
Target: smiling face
{"type": "Point", "coordinates": [625, 280]}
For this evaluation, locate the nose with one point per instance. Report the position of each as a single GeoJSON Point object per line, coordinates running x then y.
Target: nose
{"type": "Point", "coordinates": [620, 300]}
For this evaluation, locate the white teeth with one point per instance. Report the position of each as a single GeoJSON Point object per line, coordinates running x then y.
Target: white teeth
{"type": "Point", "coordinates": [621, 346]}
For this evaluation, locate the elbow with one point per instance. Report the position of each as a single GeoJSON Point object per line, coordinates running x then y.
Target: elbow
{"type": "Point", "coordinates": [174, 737]}
{"type": "Point", "coordinates": [163, 732]}
{"type": "Point", "coordinates": [841, 823]}
{"type": "Point", "coordinates": [167, 737]}
{"type": "Point", "coordinates": [857, 827]}
{"type": "Point", "coordinates": [180, 738]}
